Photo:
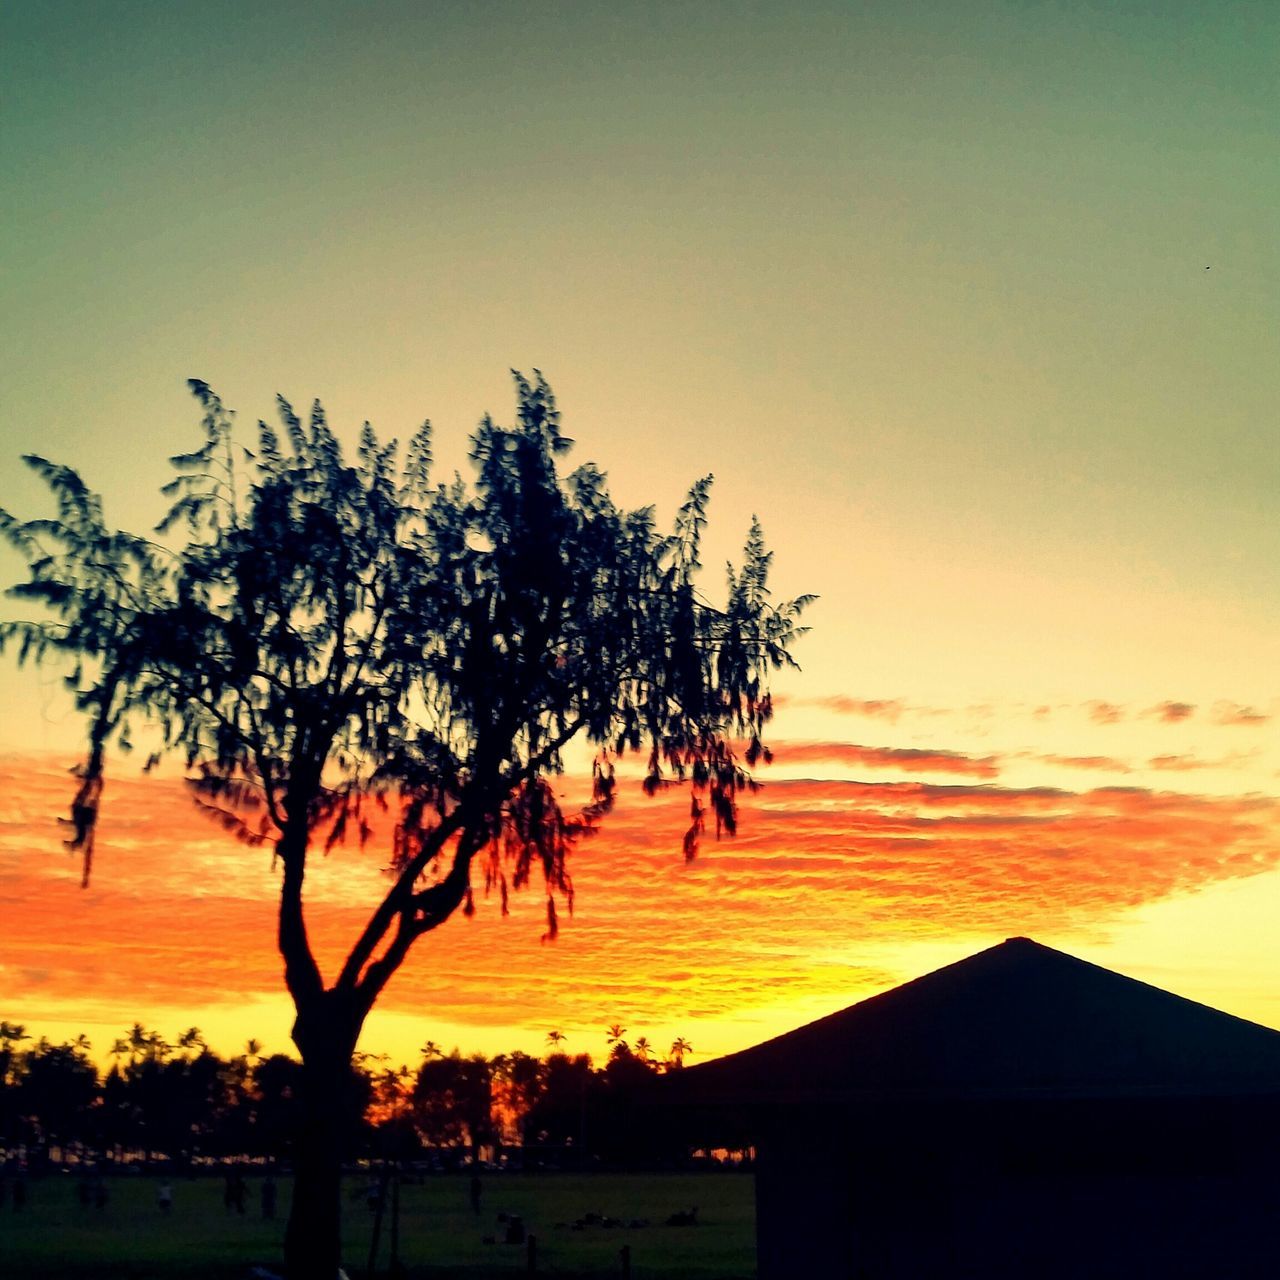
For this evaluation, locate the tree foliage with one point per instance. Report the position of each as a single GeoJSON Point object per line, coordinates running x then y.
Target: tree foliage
{"type": "Point", "coordinates": [315, 634]}
{"type": "Point", "coordinates": [332, 631]}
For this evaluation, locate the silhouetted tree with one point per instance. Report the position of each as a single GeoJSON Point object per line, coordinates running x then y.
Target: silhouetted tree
{"type": "Point", "coordinates": [558, 1116]}
{"type": "Point", "coordinates": [622, 1133]}
{"type": "Point", "coordinates": [453, 1102]}
{"type": "Point", "coordinates": [56, 1090]}
{"type": "Point", "coordinates": [517, 1085]}
{"type": "Point", "coordinates": [329, 631]}
{"type": "Point", "coordinates": [148, 1094]}
{"type": "Point", "coordinates": [191, 1038]}
{"type": "Point", "coordinates": [12, 1036]}
{"type": "Point", "coordinates": [680, 1049]}
{"type": "Point", "coordinates": [276, 1113]}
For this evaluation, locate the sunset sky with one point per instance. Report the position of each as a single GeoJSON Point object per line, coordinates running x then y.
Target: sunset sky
{"type": "Point", "coordinates": [975, 304]}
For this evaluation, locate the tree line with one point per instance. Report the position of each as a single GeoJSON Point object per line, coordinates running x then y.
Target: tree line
{"type": "Point", "coordinates": [182, 1104]}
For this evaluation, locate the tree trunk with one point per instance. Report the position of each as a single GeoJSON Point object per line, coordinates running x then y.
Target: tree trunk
{"type": "Point", "coordinates": [313, 1238]}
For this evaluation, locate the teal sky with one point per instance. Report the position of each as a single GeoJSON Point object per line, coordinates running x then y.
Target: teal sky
{"type": "Point", "coordinates": [923, 284]}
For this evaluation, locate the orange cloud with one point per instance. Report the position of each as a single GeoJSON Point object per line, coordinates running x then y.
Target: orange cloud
{"type": "Point", "coordinates": [873, 708]}
{"type": "Point", "coordinates": [1171, 712]}
{"type": "Point", "coordinates": [1104, 712]}
{"type": "Point", "coordinates": [181, 916]}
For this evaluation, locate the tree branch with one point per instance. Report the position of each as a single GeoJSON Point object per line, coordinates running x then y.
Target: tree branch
{"type": "Point", "coordinates": [395, 902]}
{"type": "Point", "coordinates": [425, 910]}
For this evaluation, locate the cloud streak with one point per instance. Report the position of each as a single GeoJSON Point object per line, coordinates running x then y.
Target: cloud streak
{"type": "Point", "coordinates": [1236, 713]}
{"type": "Point", "coordinates": [1107, 764]}
{"type": "Point", "coordinates": [903, 759]}
{"type": "Point", "coordinates": [890, 709]}
{"type": "Point", "coordinates": [1101, 712]}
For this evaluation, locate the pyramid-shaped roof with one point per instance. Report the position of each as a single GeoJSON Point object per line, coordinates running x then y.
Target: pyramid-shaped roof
{"type": "Point", "coordinates": [1016, 1020]}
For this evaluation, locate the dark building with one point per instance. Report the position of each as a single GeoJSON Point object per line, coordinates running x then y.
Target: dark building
{"type": "Point", "coordinates": [1021, 1114]}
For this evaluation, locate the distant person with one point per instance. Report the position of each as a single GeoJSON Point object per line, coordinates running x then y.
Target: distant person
{"type": "Point", "coordinates": [268, 1197]}
{"type": "Point", "coordinates": [477, 1191]}
{"type": "Point", "coordinates": [100, 1192]}
{"type": "Point", "coordinates": [164, 1197]}
{"type": "Point", "coordinates": [240, 1190]}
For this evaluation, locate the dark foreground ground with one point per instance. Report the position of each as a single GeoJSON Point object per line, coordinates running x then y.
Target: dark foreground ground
{"type": "Point", "coordinates": [55, 1238]}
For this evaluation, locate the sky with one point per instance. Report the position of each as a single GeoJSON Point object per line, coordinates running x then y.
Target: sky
{"type": "Point", "coordinates": [973, 303]}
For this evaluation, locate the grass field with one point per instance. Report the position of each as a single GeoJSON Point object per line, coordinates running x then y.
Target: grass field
{"type": "Point", "coordinates": [56, 1238]}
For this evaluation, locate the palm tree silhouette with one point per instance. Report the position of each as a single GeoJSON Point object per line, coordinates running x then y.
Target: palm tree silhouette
{"type": "Point", "coordinates": [12, 1033]}
{"type": "Point", "coordinates": [643, 1048]}
{"type": "Point", "coordinates": [191, 1039]}
{"type": "Point", "coordinates": [431, 1050]}
{"type": "Point", "coordinates": [614, 1032]}
{"type": "Point", "coordinates": [138, 1039]}
{"type": "Point", "coordinates": [555, 1039]}
{"type": "Point", "coordinates": [679, 1047]}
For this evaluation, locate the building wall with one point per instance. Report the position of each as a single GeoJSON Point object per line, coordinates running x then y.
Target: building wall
{"type": "Point", "coordinates": [1064, 1193]}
